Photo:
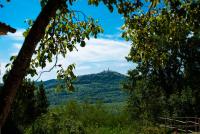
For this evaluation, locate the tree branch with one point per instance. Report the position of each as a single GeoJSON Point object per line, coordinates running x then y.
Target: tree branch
{"type": "Point", "coordinates": [22, 62]}
{"type": "Point", "coordinates": [55, 64]}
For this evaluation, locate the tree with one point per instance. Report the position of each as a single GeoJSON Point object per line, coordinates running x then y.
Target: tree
{"type": "Point", "coordinates": [22, 61]}
{"type": "Point", "coordinates": [46, 22]}
{"type": "Point", "coordinates": [165, 45]}
{"type": "Point", "coordinates": [25, 109]}
{"type": "Point", "coordinates": [42, 102]}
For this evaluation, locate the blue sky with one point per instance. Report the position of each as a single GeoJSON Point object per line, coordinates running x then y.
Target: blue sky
{"type": "Point", "coordinates": [108, 51]}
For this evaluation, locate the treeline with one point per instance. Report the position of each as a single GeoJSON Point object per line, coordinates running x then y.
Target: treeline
{"type": "Point", "coordinates": [30, 103]}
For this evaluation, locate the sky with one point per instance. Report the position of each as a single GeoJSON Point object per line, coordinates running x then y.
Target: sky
{"type": "Point", "coordinates": [108, 51]}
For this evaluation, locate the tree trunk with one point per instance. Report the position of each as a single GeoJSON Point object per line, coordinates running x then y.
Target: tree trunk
{"type": "Point", "coordinates": [22, 62]}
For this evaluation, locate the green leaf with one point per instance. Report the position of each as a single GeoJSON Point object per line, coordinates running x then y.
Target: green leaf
{"type": "Point", "coordinates": [82, 44]}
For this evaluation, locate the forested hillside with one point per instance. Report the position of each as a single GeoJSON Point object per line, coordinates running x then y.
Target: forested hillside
{"type": "Point", "coordinates": [105, 87]}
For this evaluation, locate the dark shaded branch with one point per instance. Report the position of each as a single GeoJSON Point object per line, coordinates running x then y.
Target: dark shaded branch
{"type": "Point", "coordinates": [4, 29]}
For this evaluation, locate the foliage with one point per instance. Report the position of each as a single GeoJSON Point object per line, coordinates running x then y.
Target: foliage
{"type": "Point", "coordinates": [129, 8]}
{"type": "Point", "coordinates": [26, 108]}
{"type": "Point", "coordinates": [62, 35]}
{"type": "Point", "coordinates": [89, 119]}
{"type": "Point", "coordinates": [146, 102]}
{"type": "Point", "coordinates": [42, 101]}
{"type": "Point", "coordinates": [184, 103]}
{"type": "Point", "coordinates": [82, 118]}
{"type": "Point", "coordinates": [165, 45]}
{"type": "Point", "coordinates": [161, 44]}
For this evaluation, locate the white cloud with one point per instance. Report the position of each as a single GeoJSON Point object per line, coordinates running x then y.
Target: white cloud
{"type": "Point", "coordinates": [17, 45]}
{"type": "Point", "coordinates": [17, 36]}
{"type": "Point", "coordinates": [15, 49]}
{"type": "Point", "coordinates": [2, 70]}
{"type": "Point", "coordinates": [111, 36]}
{"type": "Point", "coordinates": [96, 56]}
{"type": "Point", "coordinates": [99, 50]}
{"type": "Point", "coordinates": [13, 53]}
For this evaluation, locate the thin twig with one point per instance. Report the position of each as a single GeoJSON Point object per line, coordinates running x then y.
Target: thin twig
{"type": "Point", "coordinates": [55, 64]}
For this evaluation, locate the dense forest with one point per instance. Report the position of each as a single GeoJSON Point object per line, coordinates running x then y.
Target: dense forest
{"type": "Point", "coordinates": [104, 87]}
{"type": "Point", "coordinates": [165, 84]}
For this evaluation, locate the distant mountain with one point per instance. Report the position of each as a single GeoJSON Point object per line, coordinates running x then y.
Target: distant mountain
{"type": "Point", "coordinates": [104, 87]}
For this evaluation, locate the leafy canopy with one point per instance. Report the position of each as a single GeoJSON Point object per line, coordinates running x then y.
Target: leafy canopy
{"type": "Point", "coordinates": [165, 45]}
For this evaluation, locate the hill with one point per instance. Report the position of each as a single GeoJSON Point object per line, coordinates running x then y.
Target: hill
{"type": "Point", "coordinates": [104, 87]}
